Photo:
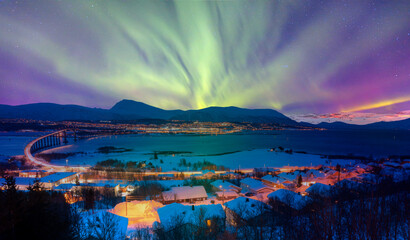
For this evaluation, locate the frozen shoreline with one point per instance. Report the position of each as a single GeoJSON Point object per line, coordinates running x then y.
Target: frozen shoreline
{"type": "Point", "coordinates": [256, 158]}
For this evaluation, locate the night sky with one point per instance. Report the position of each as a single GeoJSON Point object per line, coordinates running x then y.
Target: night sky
{"type": "Point", "coordinates": [297, 57]}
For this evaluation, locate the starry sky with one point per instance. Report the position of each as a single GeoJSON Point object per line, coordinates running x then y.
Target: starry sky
{"type": "Point", "coordinates": [298, 57]}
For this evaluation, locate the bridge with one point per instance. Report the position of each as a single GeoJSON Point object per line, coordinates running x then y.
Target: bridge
{"type": "Point", "coordinates": [50, 140]}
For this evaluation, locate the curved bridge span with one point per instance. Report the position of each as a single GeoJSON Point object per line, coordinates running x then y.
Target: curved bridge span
{"type": "Point", "coordinates": [50, 140]}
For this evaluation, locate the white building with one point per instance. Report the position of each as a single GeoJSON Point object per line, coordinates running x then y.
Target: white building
{"type": "Point", "coordinates": [243, 208]}
{"type": "Point", "coordinates": [255, 186]}
{"type": "Point", "coordinates": [58, 178]}
{"type": "Point", "coordinates": [184, 194]}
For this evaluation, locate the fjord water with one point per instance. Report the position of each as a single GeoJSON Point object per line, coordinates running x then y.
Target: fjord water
{"type": "Point", "coordinates": [380, 143]}
{"type": "Point", "coordinates": [365, 143]}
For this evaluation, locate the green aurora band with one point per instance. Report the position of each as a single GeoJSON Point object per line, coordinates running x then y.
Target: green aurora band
{"type": "Point", "coordinates": [289, 55]}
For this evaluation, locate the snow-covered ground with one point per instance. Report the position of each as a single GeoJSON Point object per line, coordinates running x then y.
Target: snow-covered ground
{"type": "Point", "coordinates": [242, 160]}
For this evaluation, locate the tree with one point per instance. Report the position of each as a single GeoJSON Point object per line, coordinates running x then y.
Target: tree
{"type": "Point", "coordinates": [36, 187]}
{"type": "Point", "coordinates": [299, 181]}
{"type": "Point", "coordinates": [338, 172]}
{"type": "Point", "coordinates": [11, 208]}
{"type": "Point", "coordinates": [104, 227]}
{"type": "Point", "coordinates": [35, 214]}
{"type": "Point", "coordinates": [109, 197]}
{"type": "Point", "coordinates": [147, 189]}
{"type": "Point", "coordinates": [77, 180]}
{"type": "Point", "coordinates": [89, 196]}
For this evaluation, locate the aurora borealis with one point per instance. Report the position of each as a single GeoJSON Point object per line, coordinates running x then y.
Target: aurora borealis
{"type": "Point", "coordinates": [294, 56]}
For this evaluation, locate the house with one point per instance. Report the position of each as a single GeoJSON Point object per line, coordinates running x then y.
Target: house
{"type": "Point", "coordinates": [226, 195]}
{"type": "Point", "coordinates": [313, 173]}
{"type": "Point", "coordinates": [206, 174]}
{"type": "Point", "coordinates": [65, 187]}
{"type": "Point", "coordinates": [58, 178]}
{"type": "Point", "coordinates": [197, 175]}
{"type": "Point", "coordinates": [225, 190]}
{"type": "Point", "coordinates": [166, 176]}
{"type": "Point", "coordinates": [255, 186]}
{"type": "Point", "coordinates": [221, 185]}
{"type": "Point", "coordinates": [308, 177]}
{"type": "Point", "coordinates": [184, 194]}
{"type": "Point", "coordinates": [138, 212]}
{"type": "Point", "coordinates": [258, 172]}
{"type": "Point", "coordinates": [274, 181]}
{"type": "Point", "coordinates": [290, 176]}
{"type": "Point", "coordinates": [33, 173]}
{"type": "Point", "coordinates": [392, 164]}
{"type": "Point", "coordinates": [230, 175]}
{"type": "Point", "coordinates": [118, 187]}
{"type": "Point", "coordinates": [244, 209]}
{"type": "Point", "coordinates": [289, 198]}
{"type": "Point", "coordinates": [176, 215]}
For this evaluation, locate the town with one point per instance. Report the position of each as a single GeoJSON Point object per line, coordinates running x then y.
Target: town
{"type": "Point", "coordinates": [148, 126]}
{"type": "Point", "coordinates": [207, 203]}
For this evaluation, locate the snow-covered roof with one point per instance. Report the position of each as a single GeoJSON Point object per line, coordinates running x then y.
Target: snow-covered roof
{"type": "Point", "coordinates": [112, 183]}
{"type": "Point", "coordinates": [373, 164]}
{"type": "Point", "coordinates": [289, 198]}
{"type": "Point", "coordinates": [230, 174]}
{"type": "Point", "coordinates": [291, 176]}
{"type": "Point", "coordinates": [253, 184]}
{"type": "Point", "coordinates": [175, 213]}
{"type": "Point", "coordinates": [224, 185]}
{"type": "Point", "coordinates": [320, 189]}
{"type": "Point", "coordinates": [197, 175]}
{"type": "Point", "coordinates": [273, 179]}
{"type": "Point", "coordinates": [170, 175]}
{"type": "Point", "coordinates": [315, 173]}
{"type": "Point", "coordinates": [33, 171]}
{"type": "Point", "coordinates": [406, 165]}
{"type": "Point", "coordinates": [56, 177]}
{"type": "Point", "coordinates": [266, 169]}
{"type": "Point", "coordinates": [187, 192]}
{"type": "Point", "coordinates": [392, 164]}
{"type": "Point", "coordinates": [247, 208]}
{"type": "Point", "coordinates": [330, 171]}
{"type": "Point", "coordinates": [64, 187]}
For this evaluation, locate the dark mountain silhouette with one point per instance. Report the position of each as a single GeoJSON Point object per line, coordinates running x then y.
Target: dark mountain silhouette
{"type": "Point", "coordinates": [126, 107]}
{"type": "Point", "coordinates": [399, 125]}
{"type": "Point", "coordinates": [132, 110]}
{"type": "Point", "coordinates": [235, 114]}
{"type": "Point", "coordinates": [56, 112]}
{"type": "Point", "coordinates": [128, 110]}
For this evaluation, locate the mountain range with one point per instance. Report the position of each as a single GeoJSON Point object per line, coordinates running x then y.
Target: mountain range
{"type": "Point", "coordinates": [126, 110]}
{"type": "Point", "coordinates": [133, 110]}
